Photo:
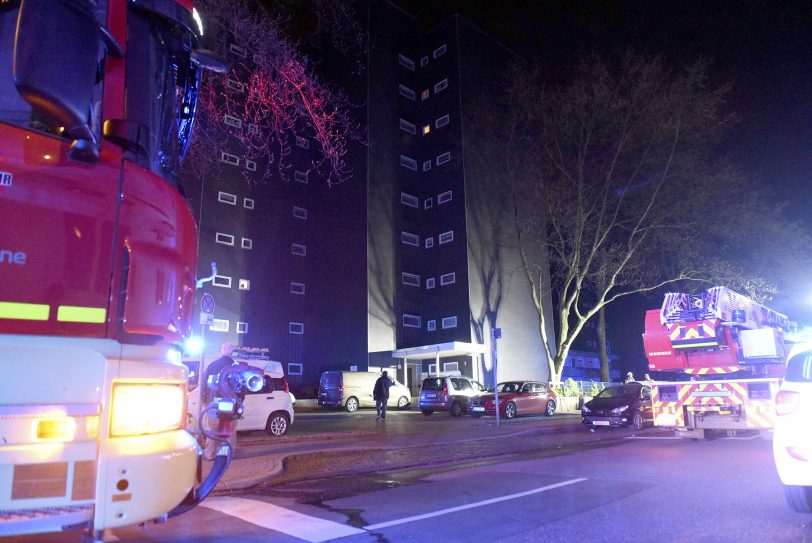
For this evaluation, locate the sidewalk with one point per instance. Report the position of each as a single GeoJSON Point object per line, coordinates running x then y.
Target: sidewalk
{"type": "Point", "coordinates": [380, 448]}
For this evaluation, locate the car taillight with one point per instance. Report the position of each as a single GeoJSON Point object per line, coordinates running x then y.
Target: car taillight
{"type": "Point", "coordinates": [285, 384]}
{"type": "Point", "coordinates": [341, 390]}
{"type": "Point", "coordinates": [786, 402]}
{"type": "Point", "coordinates": [445, 389]}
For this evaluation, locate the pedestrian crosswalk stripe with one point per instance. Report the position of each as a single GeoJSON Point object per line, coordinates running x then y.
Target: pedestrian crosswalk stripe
{"type": "Point", "coordinates": [283, 520]}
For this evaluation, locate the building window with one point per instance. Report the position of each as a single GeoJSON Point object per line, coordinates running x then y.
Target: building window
{"type": "Point", "coordinates": [427, 203]}
{"type": "Point", "coordinates": [448, 279]}
{"type": "Point", "coordinates": [424, 62]}
{"type": "Point", "coordinates": [248, 203]}
{"type": "Point", "coordinates": [440, 86]}
{"type": "Point", "coordinates": [295, 368]}
{"type": "Point", "coordinates": [223, 281]}
{"type": "Point", "coordinates": [406, 91]}
{"type": "Point", "coordinates": [425, 95]}
{"type": "Point", "coordinates": [298, 249]}
{"type": "Point", "coordinates": [406, 126]}
{"type": "Point", "coordinates": [430, 283]}
{"type": "Point", "coordinates": [410, 279]}
{"type": "Point", "coordinates": [444, 197]}
{"type": "Point", "coordinates": [226, 198]}
{"type": "Point", "coordinates": [451, 366]}
{"type": "Point", "coordinates": [409, 200]}
{"type": "Point", "coordinates": [431, 325]}
{"type": "Point", "coordinates": [242, 327]}
{"type": "Point", "coordinates": [250, 165]}
{"type": "Point", "coordinates": [429, 242]}
{"type": "Point", "coordinates": [427, 165]}
{"type": "Point", "coordinates": [442, 159]}
{"type": "Point", "coordinates": [235, 49]}
{"type": "Point", "coordinates": [301, 177]}
{"type": "Point", "coordinates": [442, 121]}
{"type": "Point", "coordinates": [406, 62]}
{"type": "Point", "coordinates": [439, 51]}
{"type": "Point", "coordinates": [247, 243]}
{"type": "Point", "coordinates": [426, 129]}
{"type": "Point", "coordinates": [446, 237]}
{"type": "Point", "coordinates": [219, 325]}
{"type": "Point", "coordinates": [245, 284]}
{"type": "Point", "coordinates": [299, 212]}
{"type": "Point", "coordinates": [408, 163]}
{"type": "Point", "coordinates": [228, 158]}
{"type": "Point", "coordinates": [224, 239]}
{"type": "Point", "coordinates": [235, 85]}
{"type": "Point", "coordinates": [231, 120]}
{"type": "Point", "coordinates": [253, 129]}
{"type": "Point", "coordinates": [296, 328]}
{"type": "Point", "coordinates": [297, 288]}
{"type": "Point", "coordinates": [411, 321]}
{"type": "Point", "coordinates": [449, 322]}
{"type": "Point", "coordinates": [410, 239]}
{"type": "Point", "coordinates": [259, 60]}
{"type": "Point", "coordinates": [304, 143]}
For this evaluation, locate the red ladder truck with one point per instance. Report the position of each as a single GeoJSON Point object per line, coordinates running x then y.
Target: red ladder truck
{"type": "Point", "coordinates": [727, 354]}
{"type": "Point", "coordinates": [98, 255]}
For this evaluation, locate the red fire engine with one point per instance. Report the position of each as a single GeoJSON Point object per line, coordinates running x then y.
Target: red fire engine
{"type": "Point", "coordinates": [98, 252]}
{"type": "Point", "coordinates": [730, 352]}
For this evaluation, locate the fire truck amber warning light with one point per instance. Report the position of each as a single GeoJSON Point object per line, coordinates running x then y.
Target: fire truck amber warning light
{"type": "Point", "coordinates": [146, 408]}
{"type": "Point", "coordinates": [61, 429]}
{"type": "Point", "coordinates": [28, 312]}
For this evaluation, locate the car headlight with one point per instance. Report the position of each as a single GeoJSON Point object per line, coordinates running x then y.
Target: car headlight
{"type": "Point", "coordinates": [147, 408]}
{"type": "Point", "coordinates": [584, 409]}
{"type": "Point", "coordinates": [619, 410]}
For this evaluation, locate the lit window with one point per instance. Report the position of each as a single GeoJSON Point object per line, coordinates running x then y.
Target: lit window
{"type": "Point", "coordinates": [406, 126]}
{"type": "Point", "coordinates": [426, 129]}
{"type": "Point", "coordinates": [241, 52]}
{"type": "Point", "coordinates": [449, 322]}
{"type": "Point", "coordinates": [301, 177]}
{"type": "Point", "coordinates": [299, 212]}
{"type": "Point", "coordinates": [429, 242]}
{"type": "Point", "coordinates": [406, 91]}
{"type": "Point", "coordinates": [427, 203]}
{"type": "Point", "coordinates": [442, 121]}
{"type": "Point", "coordinates": [250, 165]}
{"type": "Point", "coordinates": [410, 279]}
{"type": "Point", "coordinates": [406, 62]}
{"type": "Point", "coordinates": [231, 120]}
{"type": "Point", "coordinates": [440, 86]}
{"type": "Point", "coordinates": [431, 325]}
{"type": "Point", "coordinates": [409, 239]}
{"type": "Point", "coordinates": [245, 284]}
{"type": "Point", "coordinates": [235, 85]}
{"type": "Point", "coordinates": [298, 249]}
{"type": "Point", "coordinates": [408, 163]}
{"type": "Point", "coordinates": [430, 283]}
{"type": "Point", "coordinates": [409, 200]}
{"type": "Point", "coordinates": [224, 239]}
{"type": "Point", "coordinates": [242, 327]}
{"type": "Point", "coordinates": [444, 197]}
{"type": "Point", "coordinates": [448, 279]}
{"type": "Point", "coordinates": [223, 281]}
{"type": "Point", "coordinates": [439, 51]}
{"type": "Point", "coordinates": [297, 288]}
{"type": "Point", "coordinates": [427, 165]}
{"type": "Point", "coordinates": [226, 198]}
{"type": "Point", "coordinates": [411, 321]}
{"type": "Point", "coordinates": [228, 158]}
{"type": "Point", "coordinates": [425, 95]}
{"type": "Point", "coordinates": [247, 243]}
{"type": "Point", "coordinates": [446, 237]}
{"type": "Point", "coordinates": [253, 129]}
{"type": "Point", "coordinates": [248, 203]}
{"type": "Point", "coordinates": [219, 325]}
{"type": "Point", "coordinates": [295, 368]}
{"type": "Point", "coordinates": [296, 328]}
{"type": "Point", "coordinates": [442, 159]}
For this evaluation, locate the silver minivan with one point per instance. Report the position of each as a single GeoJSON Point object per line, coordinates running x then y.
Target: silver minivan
{"type": "Point", "coordinates": [353, 389]}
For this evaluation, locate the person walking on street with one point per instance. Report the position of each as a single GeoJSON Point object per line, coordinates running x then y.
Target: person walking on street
{"type": "Point", "coordinates": [381, 394]}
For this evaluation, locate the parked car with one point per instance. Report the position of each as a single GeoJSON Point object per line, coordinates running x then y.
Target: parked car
{"type": "Point", "coordinates": [353, 389]}
{"type": "Point", "coordinates": [270, 409]}
{"type": "Point", "coordinates": [621, 405]}
{"type": "Point", "coordinates": [792, 440]}
{"type": "Point", "coordinates": [447, 393]}
{"type": "Point", "coordinates": [516, 397]}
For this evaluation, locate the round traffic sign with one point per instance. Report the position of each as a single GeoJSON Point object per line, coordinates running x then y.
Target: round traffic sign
{"type": "Point", "coordinates": [207, 304]}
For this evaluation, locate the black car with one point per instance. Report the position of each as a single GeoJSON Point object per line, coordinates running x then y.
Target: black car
{"type": "Point", "coordinates": [622, 405]}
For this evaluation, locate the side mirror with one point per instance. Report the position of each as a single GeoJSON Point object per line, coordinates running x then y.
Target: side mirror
{"type": "Point", "coordinates": [55, 61]}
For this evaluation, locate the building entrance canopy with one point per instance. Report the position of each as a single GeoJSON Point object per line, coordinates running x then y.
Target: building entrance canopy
{"type": "Point", "coordinates": [436, 352]}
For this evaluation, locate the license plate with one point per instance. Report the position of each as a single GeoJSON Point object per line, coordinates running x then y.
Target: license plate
{"type": "Point", "coordinates": [479, 409]}
{"type": "Point", "coordinates": [600, 422]}
{"type": "Point", "coordinates": [432, 395]}
{"type": "Point", "coordinates": [665, 420]}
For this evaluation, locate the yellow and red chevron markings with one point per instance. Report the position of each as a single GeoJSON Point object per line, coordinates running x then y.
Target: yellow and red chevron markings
{"type": "Point", "coordinates": [693, 334]}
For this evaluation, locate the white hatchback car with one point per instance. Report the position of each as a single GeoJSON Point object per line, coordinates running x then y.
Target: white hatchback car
{"type": "Point", "coordinates": [270, 409]}
{"type": "Point", "coordinates": [792, 441]}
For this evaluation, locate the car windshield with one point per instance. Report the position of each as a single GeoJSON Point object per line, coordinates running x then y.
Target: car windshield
{"type": "Point", "coordinates": [509, 387]}
{"type": "Point", "coordinates": [614, 392]}
{"type": "Point", "coordinates": [330, 379]}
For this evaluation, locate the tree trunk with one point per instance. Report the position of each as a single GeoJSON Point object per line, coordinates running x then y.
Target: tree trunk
{"type": "Point", "coordinates": [602, 351]}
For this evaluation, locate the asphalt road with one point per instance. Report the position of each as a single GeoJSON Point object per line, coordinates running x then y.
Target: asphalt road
{"type": "Point", "coordinates": [625, 487]}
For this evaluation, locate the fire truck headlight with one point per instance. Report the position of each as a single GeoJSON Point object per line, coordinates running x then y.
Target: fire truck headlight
{"type": "Point", "coordinates": [619, 410]}
{"type": "Point", "coordinates": [147, 408]}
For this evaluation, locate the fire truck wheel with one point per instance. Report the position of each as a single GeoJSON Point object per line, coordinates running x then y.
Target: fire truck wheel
{"type": "Point", "coordinates": [799, 498]}
{"type": "Point", "coordinates": [637, 421]}
{"type": "Point", "coordinates": [278, 424]}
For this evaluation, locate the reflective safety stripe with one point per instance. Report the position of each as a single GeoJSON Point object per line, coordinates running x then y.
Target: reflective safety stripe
{"type": "Point", "coordinates": [72, 313]}
{"type": "Point", "coordinates": [28, 312]}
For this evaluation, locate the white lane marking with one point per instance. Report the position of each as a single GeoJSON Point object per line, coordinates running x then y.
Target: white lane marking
{"type": "Point", "coordinates": [283, 520]}
{"type": "Point", "coordinates": [395, 522]}
{"type": "Point", "coordinates": [652, 437]}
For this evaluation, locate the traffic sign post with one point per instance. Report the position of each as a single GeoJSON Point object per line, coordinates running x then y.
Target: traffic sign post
{"type": "Point", "coordinates": [496, 333]}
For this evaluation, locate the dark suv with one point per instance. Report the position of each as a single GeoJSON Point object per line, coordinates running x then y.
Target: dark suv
{"type": "Point", "coordinates": [447, 393]}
